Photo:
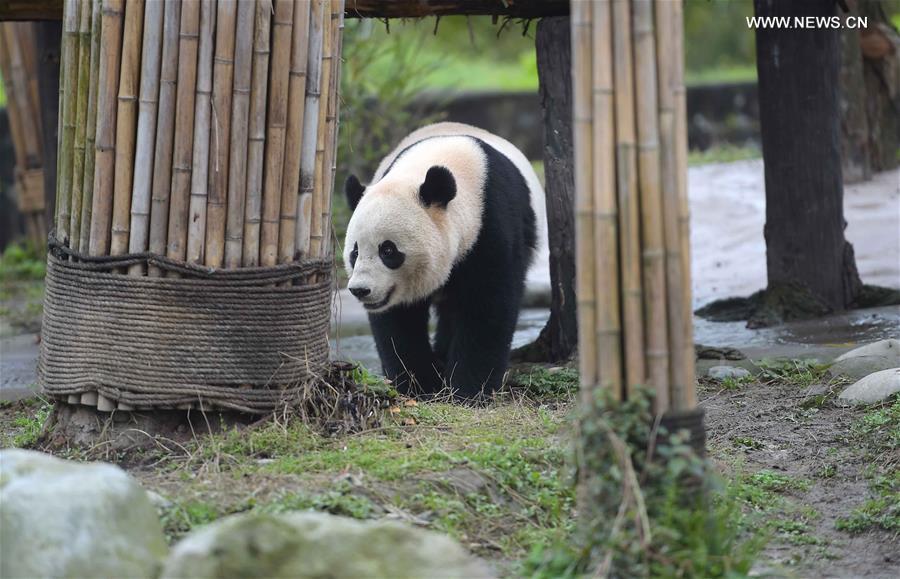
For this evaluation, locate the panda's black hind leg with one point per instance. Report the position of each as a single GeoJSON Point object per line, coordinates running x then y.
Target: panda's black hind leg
{"type": "Point", "coordinates": [401, 336]}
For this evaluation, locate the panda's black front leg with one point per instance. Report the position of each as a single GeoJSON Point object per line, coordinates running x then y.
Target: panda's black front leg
{"type": "Point", "coordinates": [479, 347]}
{"type": "Point", "coordinates": [401, 336]}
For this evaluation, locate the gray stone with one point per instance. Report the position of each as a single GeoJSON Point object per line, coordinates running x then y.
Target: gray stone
{"type": "Point", "coordinates": [873, 388]}
{"type": "Point", "coordinates": [310, 544]}
{"type": "Point", "coordinates": [66, 519]}
{"type": "Point", "coordinates": [867, 359]}
{"type": "Point", "coordinates": [723, 372]}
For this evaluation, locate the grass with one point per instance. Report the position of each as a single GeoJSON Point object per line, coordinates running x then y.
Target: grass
{"type": "Point", "coordinates": [723, 154]}
{"type": "Point", "coordinates": [25, 422]}
{"type": "Point", "coordinates": [22, 263]}
{"type": "Point", "coordinates": [801, 373]}
{"type": "Point", "coordinates": [721, 75]}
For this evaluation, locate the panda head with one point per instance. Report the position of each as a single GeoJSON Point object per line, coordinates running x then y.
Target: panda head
{"type": "Point", "coordinates": [396, 250]}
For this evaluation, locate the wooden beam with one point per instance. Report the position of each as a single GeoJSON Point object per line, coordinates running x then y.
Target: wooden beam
{"type": "Point", "coordinates": [421, 8]}
{"type": "Point", "coordinates": [31, 9]}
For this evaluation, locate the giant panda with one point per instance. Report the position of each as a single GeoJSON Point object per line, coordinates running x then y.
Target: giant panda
{"type": "Point", "coordinates": [450, 221]}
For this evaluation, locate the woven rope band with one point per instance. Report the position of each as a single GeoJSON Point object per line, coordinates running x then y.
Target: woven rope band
{"type": "Point", "coordinates": [247, 339]}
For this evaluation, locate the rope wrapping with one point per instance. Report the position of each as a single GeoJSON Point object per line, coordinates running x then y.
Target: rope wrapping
{"type": "Point", "coordinates": [247, 339]}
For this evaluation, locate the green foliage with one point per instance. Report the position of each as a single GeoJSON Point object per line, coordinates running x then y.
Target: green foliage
{"type": "Point", "coordinates": [340, 500]}
{"type": "Point", "coordinates": [880, 426]}
{"type": "Point", "coordinates": [883, 511]}
{"type": "Point", "coordinates": [802, 373]}
{"type": "Point", "coordinates": [717, 36]}
{"type": "Point", "coordinates": [28, 422]}
{"type": "Point", "coordinates": [723, 154]}
{"type": "Point", "coordinates": [560, 383]}
{"type": "Point", "coordinates": [22, 262]}
{"type": "Point", "coordinates": [653, 517]}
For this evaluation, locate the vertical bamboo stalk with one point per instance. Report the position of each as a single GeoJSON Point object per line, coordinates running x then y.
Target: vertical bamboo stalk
{"type": "Point", "coordinates": [81, 106]}
{"type": "Point", "coordinates": [146, 131]}
{"type": "Point", "coordinates": [290, 185]}
{"type": "Point", "coordinates": [196, 243]}
{"type": "Point", "coordinates": [652, 237]}
{"type": "Point", "coordinates": [687, 399]}
{"type": "Point", "coordinates": [69, 62]}
{"type": "Point", "coordinates": [629, 208]}
{"type": "Point", "coordinates": [110, 60]}
{"type": "Point", "coordinates": [332, 119]}
{"type": "Point", "coordinates": [606, 282]}
{"type": "Point", "coordinates": [240, 108]}
{"type": "Point", "coordinates": [184, 130]}
{"type": "Point", "coordinates": [223, 73]}
{"type": "Point", "coordinates": [90, 140]}
{"type": "Point", "coordinates": [275, 131]}
{"type": "Point", "coordinates": [126, 125]}
{"type": "Point", "coordinates": [316, 235]}
{"type": "Point", "coordinates": [669, 175]}
{"type": "Point", "coordinates": [165, 133]}
{"type": "Point", "coordinates": [257, 133]}
{"type": "Point", "coordinates": [582, 128]}
{"type": "Point", "coordinates": [310, 128]}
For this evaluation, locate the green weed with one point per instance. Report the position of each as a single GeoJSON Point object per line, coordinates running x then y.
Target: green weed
{"type": "Point", "coordinates": [800, 372]}
{"type": "Point", "coordinates": [22, 262]}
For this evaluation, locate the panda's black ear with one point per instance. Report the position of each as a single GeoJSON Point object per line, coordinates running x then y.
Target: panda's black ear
{"type": "Point", "coordinates": [439, 187]}
{"type": "Point", "coordinates": [353, 189]}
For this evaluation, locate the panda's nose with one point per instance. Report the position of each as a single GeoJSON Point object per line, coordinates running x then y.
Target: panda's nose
{"type": "Point", "coordinates": [360, 292]}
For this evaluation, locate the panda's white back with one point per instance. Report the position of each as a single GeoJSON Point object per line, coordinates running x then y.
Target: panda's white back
{"type": "Point", "coordinates": [510, 151]}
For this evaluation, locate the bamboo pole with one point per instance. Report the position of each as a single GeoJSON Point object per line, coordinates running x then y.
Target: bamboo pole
{"type": "Point", "coordinates": [68, 62]}
{"type": "Point", "coordinates": [332, 119]}
{"type": "Point", "coordinates": [126, 125]}
{"type": "Point", "coordinates": [87, 187]}
{"type": "Point", "coordinates": [582, 128]}
{"type": "Point", "coordinates": [652, 237]}
{"type": "Point", "coordinates": [110, 59]}
{"type": "Point", "coordinates": [81, 106]}
{"type": "Point", "coordinates": [687, 399]}
{"type": "Point", "coordinates": [275, 132]}
{"type": "Point", "coordinates": [290, 188]}
{"type": "Point", "coordinates": [15, 116]}
{"type": "Point", "coordinates": [165, 133]}
{"type": "Point", "coordinates": [316, 233]}
{"type": "Point", "coordinates": [184, 130]}
{"type": "Point", "coordinates": [257, 133]}
{"type": "Point", "coordinates": [196, 243]}
{"type": "Point", "coordinates": [240, 108]}
{"type": "Point", "coordinates": [665, 56]}
{"type": "Point", "coordinates": [310, 129]}
{"type": "Point", "coordinates": [223, 73]}
{"type": "Point", "coordinates": [629, 209]}
{"type": "Point", "coordinates": [146, 131]}
{"type": "Point", "coordinates": [606, 236]}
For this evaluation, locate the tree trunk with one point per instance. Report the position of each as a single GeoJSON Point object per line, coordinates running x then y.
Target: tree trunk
{"type": "Point", "coordinates": [48, 36]}
{"type": "Point", "coordinates": [801, 137]}
{"type": "Point", "coordinates": [559, 338]}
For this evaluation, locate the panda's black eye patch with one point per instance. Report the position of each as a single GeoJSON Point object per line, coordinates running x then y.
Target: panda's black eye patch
{"type": "Point", "coordinates": [354, 254]}
{"type": "Point", "coordinates": [390, 256]}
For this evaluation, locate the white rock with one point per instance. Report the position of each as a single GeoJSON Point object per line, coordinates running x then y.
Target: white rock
{"type": "Point", "coordinates": [723, 372]}
{"type": "Point", "coordinates": [867, 359]}
{"type": "Point", "coordinates": [873, 388]}
{"type": "Point", "coordinates": [313, 545]}
{"type": "Point", "coordinates": [66, 519]}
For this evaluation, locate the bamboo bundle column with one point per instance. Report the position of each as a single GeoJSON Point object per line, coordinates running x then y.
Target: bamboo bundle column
{"type": "Point", "coordinates": [110, 60]}
{"type": "Point", "coordinates": [240, 108]}
{"type": "Point", "coordinates": [652, 236]}
{"type": "Point", "coordinates": [165, 132]}
{"type": "Point", "coordinates": [184, 130]}
{"type": "Point", "coordinates": [81, 106]}
{"type": "Point", "coordinates": [275, 133]}
{"type": "Point", "coordinates": [68, 87]}
{"type": "Point", "coordinates": [582, 131]}
{"type": "Point", "coordinates": [627, 193]}
{"type": "Point", "coordinates": [606, 289]}
{"type": "Point", "coordinates": [316, 233]}
{"type": "Point", "coordinates": [126, 126]}
{"type": "Point", "coordinates": [223, 74]}
{"type": "Point", "coordinates": [290, 188]}
{"type": "Point", "coordinates": [146, 131]}
{"type": "Point", "coordinates": [332, 118]}
{"type": "Point", "coordinates": [90, 139]}
{"type": "Point", "coordinates": [257, 133]}
{"type": "Point", "coordinates": [310, 128]}
{"type": "Point", "coordinates": [196, 245]}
